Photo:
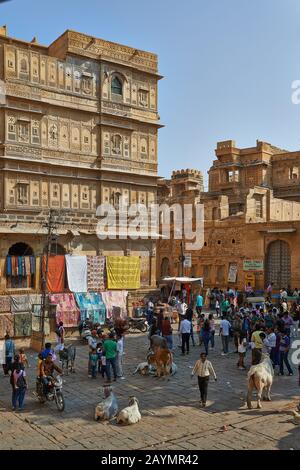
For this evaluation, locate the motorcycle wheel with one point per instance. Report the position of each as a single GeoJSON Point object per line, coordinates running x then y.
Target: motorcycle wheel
{"type": "Point", "coordinates": [143, 328]}
{"type": "Point", "coordinates": [60, 401]}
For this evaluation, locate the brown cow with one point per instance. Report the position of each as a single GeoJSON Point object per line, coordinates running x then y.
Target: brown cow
{"type": "Point", "coordinates": [162, 359]}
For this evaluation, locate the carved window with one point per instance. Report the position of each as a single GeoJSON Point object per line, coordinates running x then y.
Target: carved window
{"type": "Point", "coordinates": [116, 86]}
{"type": "Point", "coordinates": [10, 64]}
{"type": "Point", "coordinates": [258, 206]}
{"type": "Point", "coordinates": [35, 132]}
{"type": "Point", "coordinates": [22, 193]}
{"type": "Point", "coordinates": [77, 81]}
{"type": "Point", "coordinates": [116, 199]}
{"type": "Point", "coordinates": [87, 85]}
{"type": "Point", "coordinates": [23, 66]}
{"type": "Point", "coordinates": [143, 98]}
{"type": "Point", "coordinates": [233, 176]}
{"type": "Point", "coordinates": [12, 129]}
{"type": "Point", "coordinates": [294, 173]}
{"type": "Point", "coordinates": [24, 131]}
{"type": "Point", "coordinates": [144, 148]}
{"type": "Point", "coordinates": [53, 133]}
{"type": "Point", "coordinates": [116, 141]}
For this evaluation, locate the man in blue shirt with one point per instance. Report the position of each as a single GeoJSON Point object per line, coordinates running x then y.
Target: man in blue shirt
{"type": "Point", "coordinates": [47, 350]}
{"type": "Point", "coordinates": [199, 305]}
{"type": "Point", "coordinates": [9, 354]}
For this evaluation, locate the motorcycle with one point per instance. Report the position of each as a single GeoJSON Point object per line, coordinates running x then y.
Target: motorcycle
{"type": "Point", "coordinates": [138, 324]}
{"type": "Point", "coordinates": [54, 392]}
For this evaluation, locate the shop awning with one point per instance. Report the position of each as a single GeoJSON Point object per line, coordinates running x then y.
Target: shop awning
{"type": "Point", "coordinates": [182, 280]}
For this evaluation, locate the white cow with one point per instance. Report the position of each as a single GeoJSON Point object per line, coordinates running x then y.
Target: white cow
{"type": "Point", "coordinates": [260, 377]}
{"type": "Point", "coordinates": [131, 414]}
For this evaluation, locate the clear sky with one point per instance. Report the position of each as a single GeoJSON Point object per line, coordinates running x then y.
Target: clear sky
{"type": "Point", "coordinates": [228, 64]}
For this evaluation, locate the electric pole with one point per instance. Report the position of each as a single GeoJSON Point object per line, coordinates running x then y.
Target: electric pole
{"type": "Point", "coordinates": [181, 259]}
{"type": "Point", "coordinates": [45, 265]}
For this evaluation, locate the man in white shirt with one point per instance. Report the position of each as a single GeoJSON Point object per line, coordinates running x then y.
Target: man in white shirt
{"type": "Point", "coordinates": [224, 333]}
{"type": "Point", "coordinates": [185, 331]}
{"type": "Point", "coordinates": [271, 337]}
{"type": "Point", "coordinates": [203, 368]}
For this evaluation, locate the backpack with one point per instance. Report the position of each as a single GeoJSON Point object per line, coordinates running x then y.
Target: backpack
{"type": "Point", "coordinates": [58, 332]}
{"type": "Point", "coordinates": [21, 381]}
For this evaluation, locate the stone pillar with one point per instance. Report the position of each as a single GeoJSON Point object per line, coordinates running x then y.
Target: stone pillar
{"type": "Point", "coordinates": [152, 266]}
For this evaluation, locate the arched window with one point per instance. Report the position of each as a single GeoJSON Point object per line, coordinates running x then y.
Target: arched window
{"type": "Point", "coordinates": [23, 66]}
{"type": "Point", "coordinates": [116, 86]}
{"type": "Point", "coordinates": [20, 267]}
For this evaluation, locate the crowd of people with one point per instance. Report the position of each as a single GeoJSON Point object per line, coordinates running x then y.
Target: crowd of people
{"type": "Point", "coordinates": [245, 328]}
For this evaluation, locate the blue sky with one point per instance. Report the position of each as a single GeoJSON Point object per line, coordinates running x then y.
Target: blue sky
{"type": "Point", "coordinates": [228, 64]}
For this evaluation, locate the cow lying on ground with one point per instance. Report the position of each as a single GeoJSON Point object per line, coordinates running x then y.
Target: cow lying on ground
{"type": "Point", "coordinates": [260, 377]}
{"type": "Point", "coordinates": [131, 414]}
{"type": "Point", "coordinates": [161, 359]}
{"type": "Point", "coordinates": [146, 369]}
{"type": "Point", "coordinates": [67, 356]}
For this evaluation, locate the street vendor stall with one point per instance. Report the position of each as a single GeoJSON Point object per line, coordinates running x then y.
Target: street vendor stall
{"type": "Point", "coordinates": [190, 284]}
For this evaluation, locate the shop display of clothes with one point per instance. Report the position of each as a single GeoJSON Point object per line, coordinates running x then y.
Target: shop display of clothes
{"type": "Point", "coordinates": [77, 273]}
{"type": "Point", "coordinates": [66, 310]}
{"type": "Point", "coordinates": [20, 271]}
{"type": "Point", "coordinates": [115, 303]}
{"type": "Point", "coordinates": [91, 307]}
{"type": "Point", "coordinates": [123, 272]}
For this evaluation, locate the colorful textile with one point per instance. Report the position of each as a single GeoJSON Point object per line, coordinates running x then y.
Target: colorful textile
{"type": "Point", "coordinates": [20, 265]}
{"type": "Point", "coordinates": [115, 303]}
{"type": "Point", "coordinates": [56, 273]}
{"type": "Point", "coordinates": [123, 272]}
{"type": "Point", "coordinates": [6, 324]}
{"type": "Point", "coordinates": [91, 307]}
{"type": "Point", "coordinates": [77, 273]}
{"type": "Point", "coordinates": [23, 324]}
{"type": "Point", "coordinates": [20, 303]}
{"type": "Point", "coordinates": [95, 273]}
{"type": "Point", "coordinates": [8, 266]}
{"type": "Point", "coordinates": [66, 310]}
{"type": "Point", "coordinates": [36, 324]}
{"type": "Point", "coordinates": [4, 303]}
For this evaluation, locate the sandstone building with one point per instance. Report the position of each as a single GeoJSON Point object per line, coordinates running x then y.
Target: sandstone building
{"type": "Point", "coordinates": [252, 218]}
{"type": "Point", "coordinates": [78, 127]}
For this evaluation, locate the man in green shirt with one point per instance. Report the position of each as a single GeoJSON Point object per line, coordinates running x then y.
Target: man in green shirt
{"type": "Point", "coordinates": [110, 351]}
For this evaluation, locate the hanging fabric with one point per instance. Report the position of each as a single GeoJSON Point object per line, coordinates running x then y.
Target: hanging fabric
{"type": "Point", "coordinates": [66, 310]}
{"type": "Point", "coordinates": [56, 273]}
{"type": "Point", "coordinates": [115, 303]}
{"type": "Point", "coordinates": [77, 273]}
{"type": "Point", "coordinates": [91, 307]}
{"type": "Point", "coordinates": [123, 272]}
{"type": "Point", "coordinates": [95, 273]}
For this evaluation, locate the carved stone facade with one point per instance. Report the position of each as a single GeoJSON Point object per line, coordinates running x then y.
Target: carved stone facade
{"type": "Point", "coordinates": [78, 127]}
{"type": "Point", "coordinates": [251, 212]}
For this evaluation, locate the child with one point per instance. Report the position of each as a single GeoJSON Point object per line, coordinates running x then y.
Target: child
{"type": "Point", "coordinates": [23, 358]}
{"type": "Point", "coordinates": [242, 346]}
{"type": "Point", "coordinates": [93, 362]}
{"type": "Point", "coordinates": [100, 354]}
{"type": "Point", "coordinates": [103, 365]}
{"type": "Point", "coordinates": [39, 364]}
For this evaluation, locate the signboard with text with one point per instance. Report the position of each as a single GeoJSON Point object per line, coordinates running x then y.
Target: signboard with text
{"type": "Point", "coordinates": [253, 265]}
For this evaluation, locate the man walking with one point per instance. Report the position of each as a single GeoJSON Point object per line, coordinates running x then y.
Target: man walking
{"type": "Point", "coordinates": [224, 333]}
{"type": "Point", "coordinates": [9, 350]}
{"type": "Point", "coordinates": [203, 368]}
{"type": "Point", "coordinates": [185, 331]}
{"type": "Point", "coordinates": [199, 304]}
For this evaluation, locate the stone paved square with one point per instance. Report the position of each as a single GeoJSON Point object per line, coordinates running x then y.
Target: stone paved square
{"type": "Point", "coordinates": [171, 417]}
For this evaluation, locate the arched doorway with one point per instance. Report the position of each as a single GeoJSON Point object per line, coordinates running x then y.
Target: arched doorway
{"type": "Point", "coordinates": [20, 266]}
{"type": "Point", "coordinates": [20, 249]}
{"type": "Point", "coordinates": [165, 267]}
{"type": "Point", "coordinates": [278, 264]}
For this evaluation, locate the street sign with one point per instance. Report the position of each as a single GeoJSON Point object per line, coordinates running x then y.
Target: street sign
{"type": "Point", "coordinates": [253, 265]}
{"type": "Point", "coordinates": [187, 263]}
